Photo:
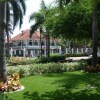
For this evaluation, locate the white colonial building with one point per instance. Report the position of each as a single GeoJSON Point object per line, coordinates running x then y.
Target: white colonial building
{"type": "Point", "coordinates": [23, 45]}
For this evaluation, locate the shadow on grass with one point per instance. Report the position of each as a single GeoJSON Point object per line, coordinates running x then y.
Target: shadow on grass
{"type": "Point", "coordinates": [69, 81]}
{"type": "Point", "coordinates": [72, 80]}
{"type": "Point", "coordinates": [62, 95]}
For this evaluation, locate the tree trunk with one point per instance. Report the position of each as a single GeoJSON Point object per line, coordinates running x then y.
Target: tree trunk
{"type": "Point", "coordinates": [41, 42]}
{"type": "Point", "coordinates": [3, 74]}
{"type": "Point", "coordinates": [48, 45]}
{"type": "Point", "coordinates": [8, 48]}
{"type": "Point", "coordinates": [94, 36]}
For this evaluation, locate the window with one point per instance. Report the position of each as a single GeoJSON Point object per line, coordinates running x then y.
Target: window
{"type": "Point", "coordinates": [52, 43]}
{"type": "Point", "coordinates": [30, 42]}
{"type": "Point", "coordinates": [43, 43]}
{"type": "Point", "coordinates": [19, 43]}
{"type": "Point", "coordinates": [35, 42]}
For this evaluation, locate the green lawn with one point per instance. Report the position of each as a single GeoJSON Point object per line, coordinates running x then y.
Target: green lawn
{"type": "Point", "coordinates": [63, 86]}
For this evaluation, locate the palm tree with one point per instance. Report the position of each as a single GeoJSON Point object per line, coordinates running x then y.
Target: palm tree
{"type": "Point", "coordinates": [18, 7]}
{"type": "Point", "coordinates": [12, 18]}
{"type": "Point", "coordinates": [40, 18]}
{"type": "Point", "coordinates": [2, 39]}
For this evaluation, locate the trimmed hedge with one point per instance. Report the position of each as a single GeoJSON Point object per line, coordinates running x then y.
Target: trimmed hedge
{"type": "Point", "coordinates": [53, 58]}
{"type": "Point", "coordinates": [45, 68]}
{"type": "Point", "coordinates": [24, 61]}
{"type": "Point", "coordinates": [76, 54]}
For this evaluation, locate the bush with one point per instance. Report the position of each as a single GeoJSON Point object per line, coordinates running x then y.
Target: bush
{"type": "Point", "coordinates": [16, 61]}
{"type": "Point", "coordinates": [45, 68]}
{"type": "Point", "coordinates": [22, 70]}
{"type": "Point", "coordinates": [76, 54]}
{"type": "Point", "coordinates": [43, 59]}
{"type": "Point", "coordinates": [88, 61]}
{"type": "Point", "coordinates": [57, 58]}
{"type": "Point", "coordinates": [53, 58]}
{"type": "Point", "coordinates": [20, 61]}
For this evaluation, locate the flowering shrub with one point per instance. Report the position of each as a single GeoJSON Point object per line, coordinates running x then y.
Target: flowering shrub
{"type": "Point", "coordinates": [92, 69]}
{"type": "Point", "coordinates": [12, 83]}
{"type": "Point", "coordinates": [20, 61]}
{"type": "Point", "coordinates": [33, 69]}
{"type": "Point", "coordinates": [16, 61]}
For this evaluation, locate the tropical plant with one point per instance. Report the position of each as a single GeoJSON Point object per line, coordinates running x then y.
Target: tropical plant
{"type": "Point", "coordinates": [63, 4]}
{"type": "Point", "coordinates": [40, 18]}
{"type": "Point", "coordinates": [3, 74]}
{"type": "Point", "coordinates": [13, 18]}
{"type": "Point", "coordinates": [18, 9]}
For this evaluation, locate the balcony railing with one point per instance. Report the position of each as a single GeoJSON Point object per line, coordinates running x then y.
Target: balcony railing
{"type": "Point", "coordinates": [34, 47]}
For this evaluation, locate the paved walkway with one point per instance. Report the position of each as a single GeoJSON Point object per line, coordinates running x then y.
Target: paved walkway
{"type": "Point", "coordinates": [77, 58]}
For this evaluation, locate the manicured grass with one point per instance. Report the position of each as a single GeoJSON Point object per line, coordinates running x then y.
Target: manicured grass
{"type": "Point", "coordinates": [61, 86]}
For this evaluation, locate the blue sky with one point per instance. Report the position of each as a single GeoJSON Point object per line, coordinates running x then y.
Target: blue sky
{"type": "Point", "coordinates": [32, 6]}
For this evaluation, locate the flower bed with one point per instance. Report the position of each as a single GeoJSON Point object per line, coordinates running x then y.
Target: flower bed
{"type": "Point", "coordinates": [12, 83]}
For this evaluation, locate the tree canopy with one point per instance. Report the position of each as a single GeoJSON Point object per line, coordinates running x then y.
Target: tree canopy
{"type": "Point", "coordinates": [74, 20]}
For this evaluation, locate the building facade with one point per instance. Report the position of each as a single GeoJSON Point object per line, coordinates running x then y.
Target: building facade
{"type": "Point", "coordinates": [23, 45]}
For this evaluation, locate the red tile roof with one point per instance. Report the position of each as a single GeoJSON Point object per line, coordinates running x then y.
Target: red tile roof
{"type": "Point", "coordinates": [25, 35]}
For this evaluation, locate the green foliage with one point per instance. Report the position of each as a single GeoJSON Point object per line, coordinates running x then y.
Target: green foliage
{"type": "Point", "coordinates": [59, 86]}
{"type": "Point", "coordinates": [22, 72]}
{"type": "Point", "coordinates": [53, 58]}
{"type": "Point", "coordinates": [90, 60]}
{"type": "Point", "coordinates": [76, 54]}
{"type": "Point", "coordinates": [35, 69]}
{"type": "Point", "coordinates": [57, 58]}
{"type": "Point", "coordinates": [62, 23]}
{"type": "Point", "coordinates": [20, 61]}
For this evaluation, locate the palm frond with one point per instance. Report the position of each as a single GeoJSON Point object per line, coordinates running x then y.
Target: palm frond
{"type": "Point", "coordinates": [33, 29]}
{"type": "Point", "coordinates": [23, 5]}
{"type": "Point", "coordinates": [17, 12]}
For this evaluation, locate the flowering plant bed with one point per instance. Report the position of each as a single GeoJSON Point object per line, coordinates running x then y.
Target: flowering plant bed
{"type": "Point", "coordinates": [92, 69]}
{"type": "Point", "coordinates": [12, 83]}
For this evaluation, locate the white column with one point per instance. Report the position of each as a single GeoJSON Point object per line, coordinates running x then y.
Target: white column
{"type": "Point", "coordinates": [31, 53]}
{"type": "Point", "coordinates": [72, 50]}
{"type": "Point", "coordinates": [82, 50]}
{"type": "Point", "coordinates": [15, 52]}
{"type": "Point", "coordinates": [66, 50]}
{"type": "Point", "coordinates": [77, 50]}
{"type": "Point", "coordinates": [24, 52]}
{"type": "Point", "coordinates": [86, 49]}
{"type": "Point", "coordinates": [59, 50]}
{"type": "Point", "coordinates": [11, 52]}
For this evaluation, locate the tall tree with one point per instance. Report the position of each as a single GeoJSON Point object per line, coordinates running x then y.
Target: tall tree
{"type": "Point", "coordinates": [18, 8]}
{"type": "Point", "coordinates": [40, 18]}
{"type": "Point", "coordinates": [13, 18]}
{"type": "Point", "coordinates": [95, 6]}
{"type": "Point", "coordinates": [3, 74]}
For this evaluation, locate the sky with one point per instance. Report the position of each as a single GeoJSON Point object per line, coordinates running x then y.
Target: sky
{"type": "Point", "coordinates": [31, 6]}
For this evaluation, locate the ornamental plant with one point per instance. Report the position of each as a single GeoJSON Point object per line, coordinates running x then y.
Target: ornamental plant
{"type": "Point", "coordinates": [12, 83]}
{"type": "Point", "coordinates": [92, 69]}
